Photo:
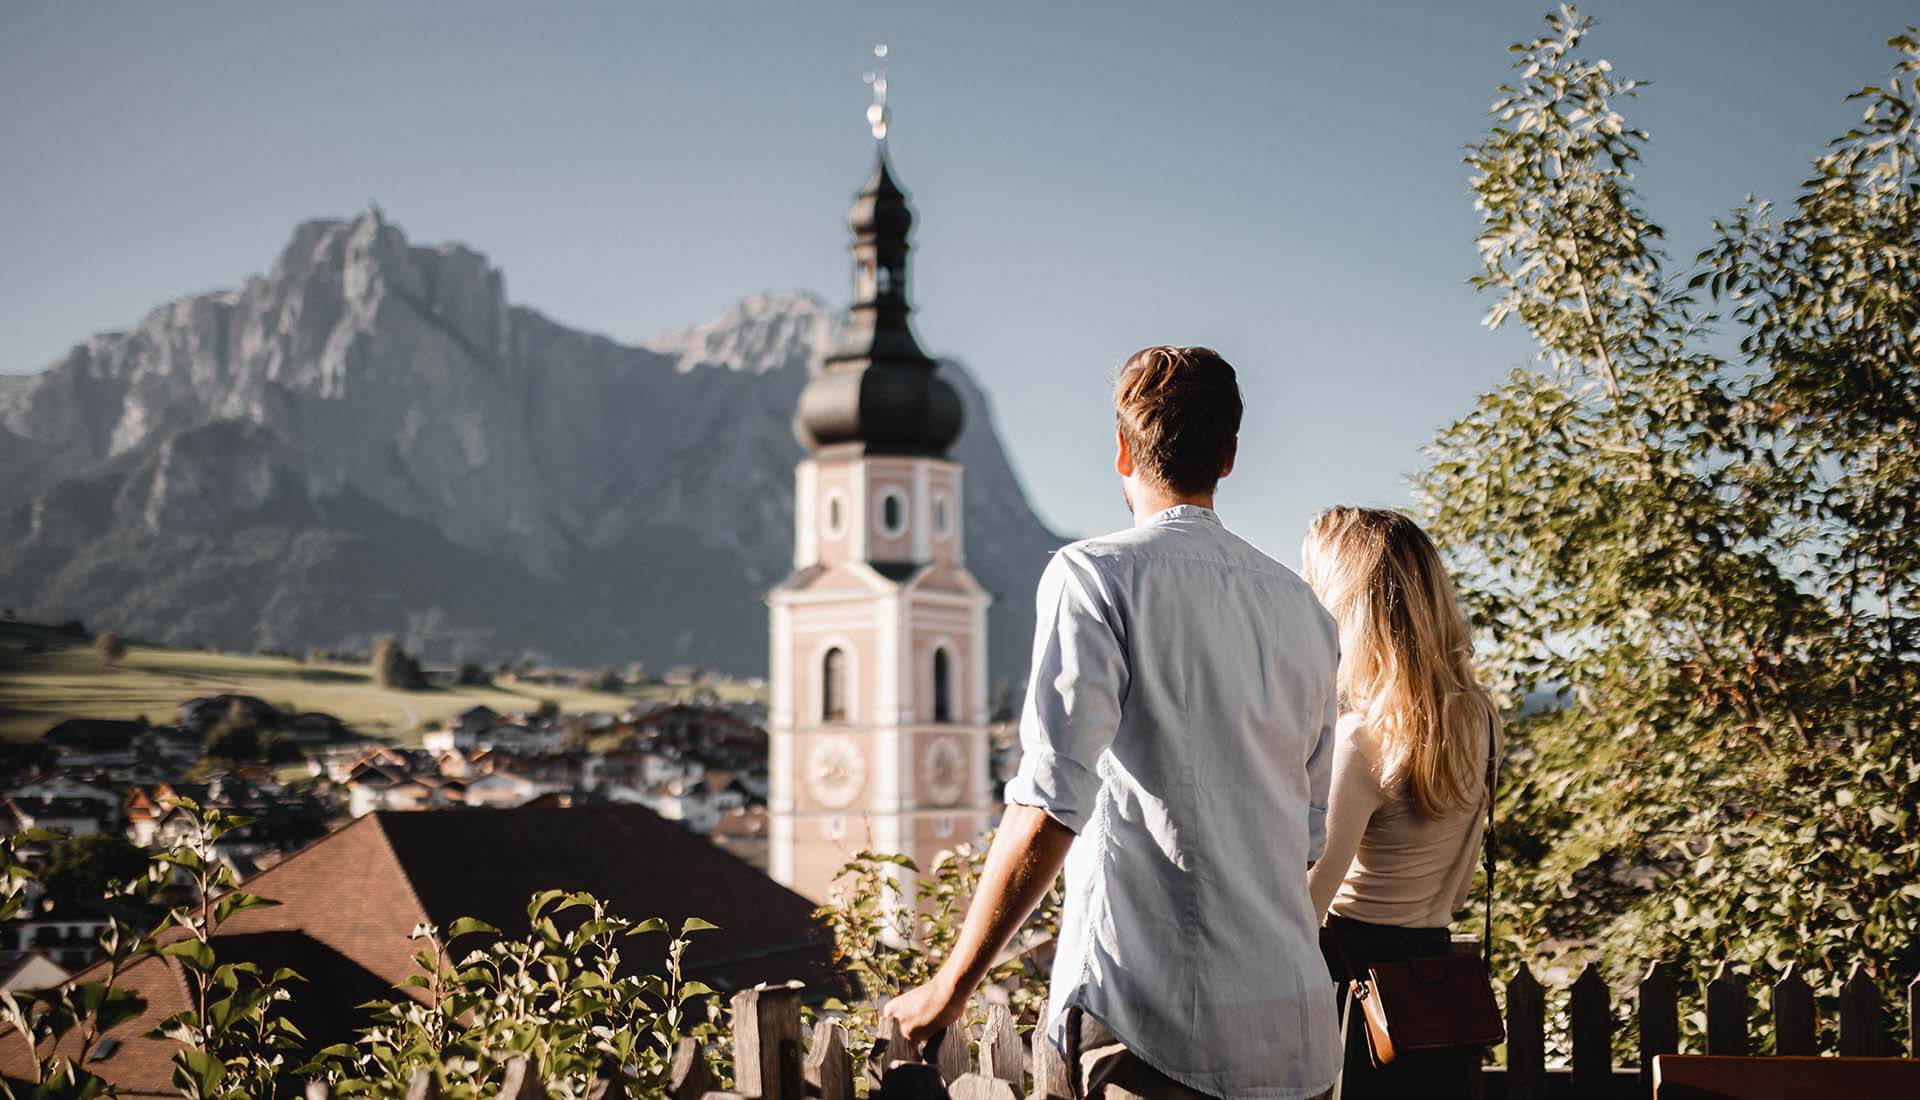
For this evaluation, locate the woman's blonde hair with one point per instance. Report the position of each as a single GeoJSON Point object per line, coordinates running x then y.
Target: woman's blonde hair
{"type": "Point", "coordinates": [1406, 655]}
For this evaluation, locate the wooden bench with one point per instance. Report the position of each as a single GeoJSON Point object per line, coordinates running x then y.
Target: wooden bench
{"type": "Point", "coordinates": [1713, 1077]}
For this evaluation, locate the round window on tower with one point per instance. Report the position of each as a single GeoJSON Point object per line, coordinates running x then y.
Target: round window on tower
{"type": "Point", "coordinates": [893, 513]}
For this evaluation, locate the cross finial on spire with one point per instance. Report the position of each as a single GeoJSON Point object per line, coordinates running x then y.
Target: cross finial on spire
{"type": "Point", "coordinates": [877, 113]}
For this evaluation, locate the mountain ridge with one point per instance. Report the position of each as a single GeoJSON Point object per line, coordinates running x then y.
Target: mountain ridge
{"type": "Point", "coordinates": [370, 438]}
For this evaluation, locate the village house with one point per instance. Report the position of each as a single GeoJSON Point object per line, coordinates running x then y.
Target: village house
{"type": "Point", "coordinates": [64, 786]}
{"type": "Point", "coordinates": [96, 743]}
{"type": "Point", "coordinates": [314, 729]}
{"type": "Point", "coordinates": [66, 933]}
{"type": "Point", "coordinates": [476, 720]}
{"type": "Point", "coordinates": [21, 971]}
{"type": "Point", "coordinates": [373, 787]}
{"type": "Point", "coordinates": [72, 816]}
{"type": "Point", "coordinates": [279, 822]}
{"type": "Point", "coordinates": [500, 790]}
{"type": "Point", "coordinates": [339, 763]}
{"type": "Point", "coordinates": [742, 832]}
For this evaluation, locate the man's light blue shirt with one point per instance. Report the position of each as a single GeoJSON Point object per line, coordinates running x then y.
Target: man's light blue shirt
{"type": "Point", "coordinates": [1180, 721]}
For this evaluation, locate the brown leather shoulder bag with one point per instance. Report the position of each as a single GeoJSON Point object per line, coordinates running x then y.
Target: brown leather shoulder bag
{"type": "Point", "coordinates": [1441, 1002]}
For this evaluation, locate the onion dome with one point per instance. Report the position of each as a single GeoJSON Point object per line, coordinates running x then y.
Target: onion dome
{"type": "Point", "coordinates": [879, 392]}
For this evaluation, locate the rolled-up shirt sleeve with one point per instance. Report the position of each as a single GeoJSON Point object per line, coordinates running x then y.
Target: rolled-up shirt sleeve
{"type": "Point", "coordinates": [1079, 677]}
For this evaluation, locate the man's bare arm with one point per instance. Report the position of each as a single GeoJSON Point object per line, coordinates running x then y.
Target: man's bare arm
{"type": "Point", "coordinates": [1021, 866]}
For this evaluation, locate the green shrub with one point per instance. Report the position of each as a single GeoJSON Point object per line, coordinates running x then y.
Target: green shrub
{"type": "Point", "coordinates": [1713, 563]}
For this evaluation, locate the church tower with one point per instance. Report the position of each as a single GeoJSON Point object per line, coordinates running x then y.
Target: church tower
{"type": "Point", "coordinates": [879, 637]}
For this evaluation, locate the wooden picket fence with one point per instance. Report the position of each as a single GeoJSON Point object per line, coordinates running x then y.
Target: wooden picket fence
{"type": "Point", "coordinates": [1590, 1022]}
{"type": "Point", "coordinates": [773, 1059]}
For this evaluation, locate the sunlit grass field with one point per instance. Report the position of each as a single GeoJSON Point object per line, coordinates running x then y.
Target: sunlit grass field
{"type": "Point", "coordinates": [69, 680]}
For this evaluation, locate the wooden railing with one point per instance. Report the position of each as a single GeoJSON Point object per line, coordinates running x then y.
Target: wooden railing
{"type": "Point", "coordinates": [773, 1059]}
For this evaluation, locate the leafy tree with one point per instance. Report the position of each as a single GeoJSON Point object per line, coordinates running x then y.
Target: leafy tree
{"type": "Point", "coordinates": [1711, 563]}
{"type": "Point", "coordinates": [547, 711]}
{"type": "Point", "coordinates": [83, 868]}
{"type": "Point", "coordinates": [236, 737]}
{"type": "Point", "coordinates": [108, 645]}
{"type": "Point", "coordinates": [604, 680]}
{"type": "Point", "coordinates": [473, 675]}
{"type": "Point", "coordinates": [1002, 708]}
{"type": "Point", "coordinates": [395, 669]}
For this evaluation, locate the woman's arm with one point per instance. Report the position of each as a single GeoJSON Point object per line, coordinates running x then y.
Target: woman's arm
{"type": "Point", "coordinates": [1354, 797]}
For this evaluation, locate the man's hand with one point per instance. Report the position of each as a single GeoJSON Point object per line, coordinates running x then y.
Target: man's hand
{"type": "Point", "coordinates": [924, 1010]}
{"type": "Point", "coordinates": [1025, 859]}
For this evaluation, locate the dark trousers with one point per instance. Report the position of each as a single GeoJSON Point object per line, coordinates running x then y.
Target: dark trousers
{"type": "Point", "coordinates": [1100, 1067]}
{"type": "Point", "coordinates": [1443, 1075]}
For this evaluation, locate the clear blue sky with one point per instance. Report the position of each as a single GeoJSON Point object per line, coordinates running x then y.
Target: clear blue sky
{"type": "Point", "coordinates": [1281, 181]}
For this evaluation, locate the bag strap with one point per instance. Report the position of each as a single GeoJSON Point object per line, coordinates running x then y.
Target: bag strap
{"type": "Point", "coordinates": [1486, 854]}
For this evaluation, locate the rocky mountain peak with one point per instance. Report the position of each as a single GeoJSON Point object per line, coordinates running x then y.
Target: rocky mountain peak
{"type": "Point", "coordinates": [370, 439]}
{"type": "Point", "coordinates": [769, 331]}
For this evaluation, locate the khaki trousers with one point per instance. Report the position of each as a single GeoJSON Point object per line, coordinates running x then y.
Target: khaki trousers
{"type": "Point", "coordinates": [1109, 1071]}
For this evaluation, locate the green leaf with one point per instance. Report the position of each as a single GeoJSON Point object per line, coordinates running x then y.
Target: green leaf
{"type": "Point", "coordinates": [471, 926]}
{"type": "Point", "coordinates": [191, 952]}
{"type": "Point", "coordinates": [197, 1074]}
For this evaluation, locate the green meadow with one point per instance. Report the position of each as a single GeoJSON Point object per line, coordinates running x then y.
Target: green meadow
{"type": "Point", "coordinates": [47, 677]}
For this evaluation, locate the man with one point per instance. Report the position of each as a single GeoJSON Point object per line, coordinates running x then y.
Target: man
{"type": "Point", "coordinates": [1178, 741]}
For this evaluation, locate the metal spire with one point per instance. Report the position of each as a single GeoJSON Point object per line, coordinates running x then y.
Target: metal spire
{"type": "Point", "coordinates": [877, 113]}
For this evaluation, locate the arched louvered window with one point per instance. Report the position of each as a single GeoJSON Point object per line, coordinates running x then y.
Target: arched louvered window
{"type": "Point", "coordinates": [942, 686]}
{"type": "Point", "coordinates": [833, 686]}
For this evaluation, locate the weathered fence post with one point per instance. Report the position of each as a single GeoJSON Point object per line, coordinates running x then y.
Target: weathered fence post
{"type": "Point", "coordinates": [1050, 1081]}
{"type": "Point", "coordinates": [890, 1047]}
{"type": "Point", "coordinates": [950, 1054]}
{"type": "Point", "coordinates": [998, 1077]}
{"type": "Point", "coordinates": [1659, 1020]}
{"type": "Point", "coordinates": [1859, 1016]}
{"type": "Point", "coordinates": [1590, 1012]}
{"type": "Point", "coordinates": [1727, 1008]}
{"type": "Point", "coordinates": [422, 1085]}
{"type": "Point", "coordinates": [979, 1086]}
{"type": "Point", "coordinates": [1526, 1037]}
{"type": "Point", "coordinates": [897, 1070]}
{"type": "Point", "coordinates": [766, 1043]}
{"type": "Point", "coordinates": [1000, 1053]}
{"type": "Point", "coordinates": [608, 1084]}
{"type": "Point", "coordinates": [521, 1081]}
{"type": "Point", "coordinates": [1795, 1023]}
{"type": "Point", "coordinates": [829, 1068]}
{"type": "Point", "coordinates": [1913, 1018]}
{"type": "Point", "coordinates": [911, 1081]}
{"type": "Point", "coordinates": [689, 1077]}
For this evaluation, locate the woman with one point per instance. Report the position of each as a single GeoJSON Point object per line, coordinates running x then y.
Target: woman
{"type": "Point", "coordinates": [1408, 802]}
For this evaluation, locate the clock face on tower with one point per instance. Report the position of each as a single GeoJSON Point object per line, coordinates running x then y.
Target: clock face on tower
{"type": "Point", "coordinates": [835, 771]}
{"type": "Point", "coordinates": [944, 771]}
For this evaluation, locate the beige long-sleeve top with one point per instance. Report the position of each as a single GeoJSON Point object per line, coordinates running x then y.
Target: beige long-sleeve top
{"type": "Point", "coordinates": [1385, 862]}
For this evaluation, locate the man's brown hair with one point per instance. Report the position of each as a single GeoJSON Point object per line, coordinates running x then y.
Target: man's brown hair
{"type": "Point", "coordinates": [1179, 410]}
